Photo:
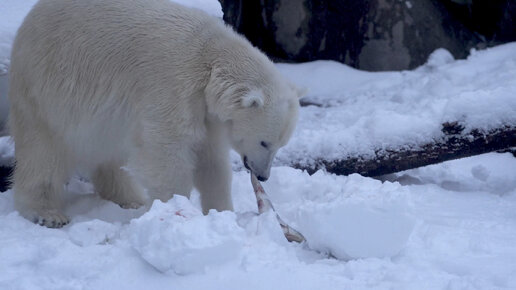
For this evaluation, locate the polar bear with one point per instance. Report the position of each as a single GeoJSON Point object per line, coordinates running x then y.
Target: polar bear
{"type": "Point", "coordinates": [141, 95]}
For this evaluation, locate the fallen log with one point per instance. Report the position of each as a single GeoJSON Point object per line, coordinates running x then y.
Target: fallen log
{"type": "Point", "coordinates": [455, 144]}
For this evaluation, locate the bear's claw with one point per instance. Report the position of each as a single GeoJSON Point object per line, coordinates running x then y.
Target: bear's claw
{"type": "Point", "coordinates": [51, 220]}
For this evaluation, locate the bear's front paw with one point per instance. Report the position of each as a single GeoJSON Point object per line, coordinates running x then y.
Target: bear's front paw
{"type": "Point", "coordinates": [51, 219]}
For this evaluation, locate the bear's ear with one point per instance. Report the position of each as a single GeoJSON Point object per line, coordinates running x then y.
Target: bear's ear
{"type": "Point", "coordinates": [252, 99]}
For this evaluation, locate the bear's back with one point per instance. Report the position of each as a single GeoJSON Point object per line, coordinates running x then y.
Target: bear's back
{"type": "Point", "coordinates": [120, 46]}
{"type": "Point", "coordinates": [91, 67]}
{"type": "Point", "coordinates": [108, 29]}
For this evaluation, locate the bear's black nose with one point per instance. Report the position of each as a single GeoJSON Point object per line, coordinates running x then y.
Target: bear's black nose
{"type": "Point", "coordinates": [261, 178]}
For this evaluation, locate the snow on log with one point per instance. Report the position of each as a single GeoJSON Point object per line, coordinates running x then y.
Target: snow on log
{"type": "Point", "coordinates": [454, 145]}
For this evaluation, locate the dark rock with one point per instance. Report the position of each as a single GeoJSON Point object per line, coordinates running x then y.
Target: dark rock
{"type": "Point", "coordinates": [402, 34]}
{"type": "Point", "coordinates": [371, 34]}
{"type": "Point", "coordinates": [5, 173]}
{"type": "Point", "coordinates": [494, 20]}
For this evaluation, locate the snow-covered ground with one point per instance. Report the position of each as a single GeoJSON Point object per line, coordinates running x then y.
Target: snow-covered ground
{"type": "Point", "coordinates": [446, 226]}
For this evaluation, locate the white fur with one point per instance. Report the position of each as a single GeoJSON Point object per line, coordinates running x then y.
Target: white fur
{"type": "Point", "coordinates": [148, 85]}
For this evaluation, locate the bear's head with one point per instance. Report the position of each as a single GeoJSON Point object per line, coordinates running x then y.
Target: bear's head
{"type": "Point", "coordinates": [261, 114]}
{"type": "Point", "coordinates": [261, 126]}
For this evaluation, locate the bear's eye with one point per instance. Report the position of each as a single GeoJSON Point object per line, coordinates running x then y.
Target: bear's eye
{"type": "Point", "coordinates": [264, 145]}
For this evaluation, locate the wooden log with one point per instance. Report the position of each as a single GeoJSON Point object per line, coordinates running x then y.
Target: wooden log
{"type": "Point", "coordinates": [454, 145]}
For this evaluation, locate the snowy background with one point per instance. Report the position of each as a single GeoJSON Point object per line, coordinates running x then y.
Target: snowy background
{"type": "Point", "coordinates": [445, 226]}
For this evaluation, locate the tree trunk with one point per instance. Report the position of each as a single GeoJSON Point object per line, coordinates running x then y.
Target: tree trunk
{"type": "Point", "coordinates": [456, 144]}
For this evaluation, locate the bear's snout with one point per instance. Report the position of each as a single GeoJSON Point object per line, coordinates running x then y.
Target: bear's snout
{"type": "Point", "coordinates": [261, 176]}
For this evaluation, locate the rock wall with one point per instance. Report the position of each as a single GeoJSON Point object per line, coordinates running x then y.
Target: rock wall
{"type": "Point", "coordinates": [371, 35]}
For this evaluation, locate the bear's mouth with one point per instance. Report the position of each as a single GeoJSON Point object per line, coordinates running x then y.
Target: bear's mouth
{"type": "Point", "coordinates": [246, 165]}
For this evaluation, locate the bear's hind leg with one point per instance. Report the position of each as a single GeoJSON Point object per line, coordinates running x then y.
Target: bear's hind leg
{"type": "Point", "coordinates": [115, 184]}
{"type": "Point", "coordinates": [40, 173]}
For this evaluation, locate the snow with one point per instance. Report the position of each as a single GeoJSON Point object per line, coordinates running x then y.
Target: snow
{"type": "Point", "coordinates": [209, 6]}
{"type": "Point", "coordinates": [373, 218]}
{"type": "Point", "coordinates": [177, 237]}
{"type": "Point", "coordinates": [445, 226]}
{"type": "Point", "coordinates": [6, 151]}
{"type": "Point", "coordinates": [13, 12]}
{"type": "Point", "coordinates": [439, 227]}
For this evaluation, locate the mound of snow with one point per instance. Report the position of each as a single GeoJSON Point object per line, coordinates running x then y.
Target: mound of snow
{"type": "Point", "coordinates": [176, 237]}
{"type": "Point", "coordinates": [368, 220]}
{"type": "Point", "coordinates": [350, 230]}
{"type": "Point", "coordinates": [439, 58]}
{"type": "Point", "coordinates": [351, 218]}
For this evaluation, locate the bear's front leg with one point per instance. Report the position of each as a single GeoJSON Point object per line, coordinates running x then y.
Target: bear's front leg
{"type": "Point", "coordinates": [212, 175]}
{"type": "Point", "coordinates": [40, 172]}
